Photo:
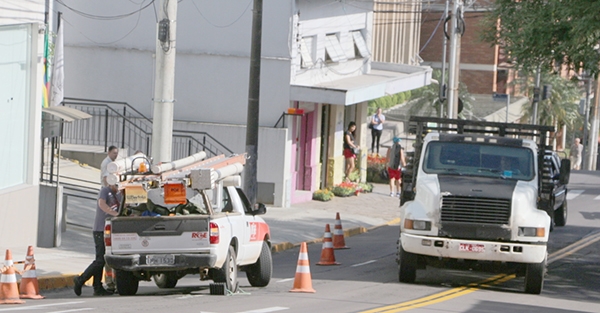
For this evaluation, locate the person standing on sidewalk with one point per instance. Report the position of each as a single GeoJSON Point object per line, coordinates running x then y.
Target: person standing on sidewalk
{"type": "Point", "coordinates": [112, 154]}
{"type": "Point", "coordinates": [576, 154]}
{"type": "Point", "coordinates": [350, 149]}
{"type": "Point", "coordinates": [109, 200]}
{"type": "Point", "coordinates": [376, 129]}
{"type": "Point", "coordinates": [396, 161]}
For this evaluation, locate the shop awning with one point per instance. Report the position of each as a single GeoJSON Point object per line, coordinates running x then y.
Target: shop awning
{"type": "Point", "coordinates": [66, 113]}
{"type": "Point", "coordinates": [383, 79]}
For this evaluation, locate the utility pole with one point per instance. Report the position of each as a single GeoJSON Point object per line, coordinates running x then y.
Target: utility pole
{"type": "Point", "coordinates": [250, 170]}
{"type": "Point", "coordinates": [442, 84]}
{"type": "Point", "coordinates": [536, 94]}
{"type": "Point", "coordinates": [507, 105]}
{"type": "Point", "coordinates": [585, 140]}
{"type": "Point", "coordinates": [164, 83]}
{"type": "Point", "coordinates": [591, 146]}
{"type": "Point", "coordinates": [456, 31]}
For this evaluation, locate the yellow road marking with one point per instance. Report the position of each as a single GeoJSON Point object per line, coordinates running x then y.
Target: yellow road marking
{"type": "Point", "coordinates": [574, 247]}
{"type": "Point", "coordinates": [486, 283]}
{"type": "Point", "coordinates": [441, 296]}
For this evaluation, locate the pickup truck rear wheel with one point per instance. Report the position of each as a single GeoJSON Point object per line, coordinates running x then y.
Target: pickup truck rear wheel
{"type": "Point", "coordinates": [127, 283]}
{"type": "Point", "coordinates": [259, 273]}
{"type": "Point", "coordinates": [534, 277]}
{"type": "Point", "coordinates": [560, 215]}
{"type": "Point", "coordinates": [407, 267]}
{"type": "Point", "coordinates": [228, 274]}
{"type": "Point", "coordinates": [165, 280]}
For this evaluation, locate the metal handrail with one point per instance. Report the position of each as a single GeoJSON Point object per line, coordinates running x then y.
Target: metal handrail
{"type": "Point", "coordinates": [91, 101]}
{"type": "Point", "coordinates": [204, 143]}
{"type": "Point", "coordinates": [282, 118]}
{"type": "Point", "coordinates": [136, 128]}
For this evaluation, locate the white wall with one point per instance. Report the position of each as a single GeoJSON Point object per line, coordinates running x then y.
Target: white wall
{"type": "Point", "coordinates": [273, 152]}
{"type": "Point", "coordinates": [212, 63]}
{"type": "Point", "coordinates": [19, 204]}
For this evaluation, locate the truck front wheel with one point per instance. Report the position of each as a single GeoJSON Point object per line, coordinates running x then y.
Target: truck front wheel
{"type": "Point", "coordinates": [127, 283]}
{"type": "Point", "coordinates": [534, 277]}
{"type": "Point", "coordinates": [259, 273]}
{"type": "Point", "coordinates": [407, 266]}
{"type": "Point", "coordinates": [228, 274]}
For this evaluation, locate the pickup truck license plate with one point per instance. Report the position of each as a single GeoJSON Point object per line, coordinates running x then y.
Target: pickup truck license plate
{"type": "Point", "coordinates": [469, 247]}
{"type": "Point", "coordinates": [160, 259]}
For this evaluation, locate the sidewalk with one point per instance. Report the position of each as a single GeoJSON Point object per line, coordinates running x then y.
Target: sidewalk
{"type": "Point", "coordinates": [305, 222]}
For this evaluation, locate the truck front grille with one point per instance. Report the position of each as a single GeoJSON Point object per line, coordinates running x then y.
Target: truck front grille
{"type": "Point", "coordinates": [463, 209]}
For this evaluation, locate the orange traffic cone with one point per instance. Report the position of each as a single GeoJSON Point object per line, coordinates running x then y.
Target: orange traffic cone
{"type": "Point", "coordinates": [327, 256]}
{"type": "Point", "coordinates": [303, 281]}
{"type": "Point", "coordinates": [338, 234]}
{"type": "Point", "coordinates": [9, 291]}
{"type": "Point", "coordinates": [30, 288]}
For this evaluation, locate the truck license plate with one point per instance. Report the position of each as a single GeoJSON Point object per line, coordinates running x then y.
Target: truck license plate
{"type": "Point", "coordinates": [469, 247]}
{"type": "Point", "coordinates": [160, 259]}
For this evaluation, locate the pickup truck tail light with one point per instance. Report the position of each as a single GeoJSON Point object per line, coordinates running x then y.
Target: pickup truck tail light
{"type": "Point", "coordinates": [214, 233]}
{"type": "Point", "coordinates": [107, 232]}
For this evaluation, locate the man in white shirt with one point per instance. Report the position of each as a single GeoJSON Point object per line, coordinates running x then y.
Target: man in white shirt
{"type": "Point", "coordinates": [113, 152]}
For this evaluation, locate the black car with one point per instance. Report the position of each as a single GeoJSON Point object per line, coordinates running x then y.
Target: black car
{"type": "Point", "coordinates": [555, 178]}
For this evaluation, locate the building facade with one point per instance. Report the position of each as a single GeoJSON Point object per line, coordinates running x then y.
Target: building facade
{"type": "Point", "coordinates": [481, 67]}
{"type": "Point", "coordinates": [317, 75]}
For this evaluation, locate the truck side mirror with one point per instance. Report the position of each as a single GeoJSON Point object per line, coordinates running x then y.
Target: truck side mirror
{"type": "Point", "coordinates": [565, 171]}
{"type": "Point", "coordinates": [260, 209]}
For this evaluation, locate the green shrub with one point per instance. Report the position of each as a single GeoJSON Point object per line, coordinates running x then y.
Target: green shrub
{"type": "Point", "coordinates": [344, 189]}
{"type": "Point", "coordinates": [365, 187]}
{"type": "Point", "coordinates": [323, 195]}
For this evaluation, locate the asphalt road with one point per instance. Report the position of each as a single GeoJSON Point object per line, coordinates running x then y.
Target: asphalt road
{"type": "Point", "coordinates": [366, 280]}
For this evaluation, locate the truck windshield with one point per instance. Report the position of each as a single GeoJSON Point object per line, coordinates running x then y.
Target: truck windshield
{"type": "Point", "coordinates": [478, 159]}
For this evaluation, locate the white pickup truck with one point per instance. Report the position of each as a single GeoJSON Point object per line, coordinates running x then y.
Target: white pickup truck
{"type": "Point", "coordinates": [214, 234]}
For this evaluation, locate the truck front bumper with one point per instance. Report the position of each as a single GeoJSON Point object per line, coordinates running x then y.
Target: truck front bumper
{"type": "Point", "coordinates": [137, 262]}
{"type": "Point", "coordinates": [519, 252]}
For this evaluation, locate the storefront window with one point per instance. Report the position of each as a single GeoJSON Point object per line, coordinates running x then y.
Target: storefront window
{"type": "Point", "coordinates": [14, 104]}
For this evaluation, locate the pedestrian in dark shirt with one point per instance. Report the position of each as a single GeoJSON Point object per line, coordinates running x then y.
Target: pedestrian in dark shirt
{"type": "Point", "coordinates": [350, 149]}
{"type": "Point", "coordinates": [109, 200]}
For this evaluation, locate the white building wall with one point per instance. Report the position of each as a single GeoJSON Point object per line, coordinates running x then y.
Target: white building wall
{"type": "Point", "coordinates": [273, 153]}
{"type": "Point", "coordinates": [114, 59]}
{"type": "Point", "coordinates": [19, 204]}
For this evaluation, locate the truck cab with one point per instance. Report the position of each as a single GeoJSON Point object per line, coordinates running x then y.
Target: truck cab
{"type": "Point", "coordinates": [472, 195]}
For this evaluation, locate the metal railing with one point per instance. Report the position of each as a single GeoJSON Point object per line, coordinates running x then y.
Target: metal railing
{"type": "Point", "coordinates": [119, 124]}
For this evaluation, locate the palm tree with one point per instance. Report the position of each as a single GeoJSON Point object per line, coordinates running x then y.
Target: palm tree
{"type": "Point", "coordinates": [561, 108]}
{"type": "Point", "coordinates": [425, 101]}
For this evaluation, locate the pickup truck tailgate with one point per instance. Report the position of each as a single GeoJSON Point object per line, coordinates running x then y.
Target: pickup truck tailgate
{"type": "Point", "coordinates": [173, 234]}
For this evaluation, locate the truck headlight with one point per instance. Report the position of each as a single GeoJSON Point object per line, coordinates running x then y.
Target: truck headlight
{"type": "Point", "coordinates": [417, 225]}
{"type": "Point", "coordinates": [532, 231]}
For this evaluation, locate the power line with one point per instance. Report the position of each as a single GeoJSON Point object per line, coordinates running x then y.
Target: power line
{"type": "Point", "coordinates": [105, 17]}
{"type": "Point", "coordinates": [222, 26]}
{"type": "Point", "coordinates": [103, 43]}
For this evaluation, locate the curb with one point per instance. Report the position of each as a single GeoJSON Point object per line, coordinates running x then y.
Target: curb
{"type": "Point", "coordinates": [56, 282]}
{"type": "Point", "coordinates": [282, 246]}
